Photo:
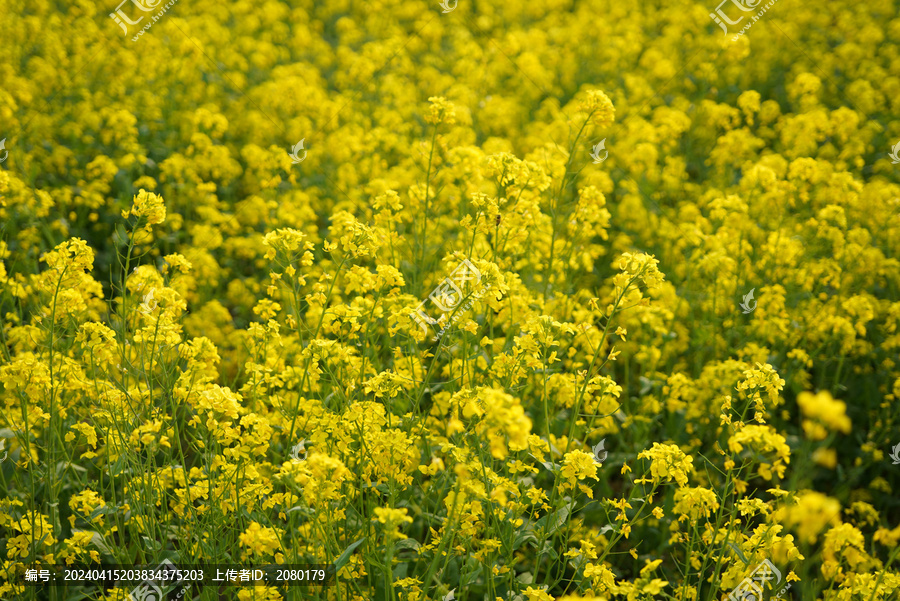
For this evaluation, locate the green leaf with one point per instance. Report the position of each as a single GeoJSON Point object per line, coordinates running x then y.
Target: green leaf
{"type": "Point", "coordinates": [345, 556]}
{"type": "Point", "coordinates": [471, 577]}
{"type": "Point", "coordinates": [522, 538]}
{"type": "Point", "coordinates": [116, 467]}
{"type": "Point", "coordinates": [400, 571]}
{"type": "Point", "coordinates": [552, 522]}
{"type": "Point", "coordinates": [98, 541]}
{"type": "Point", "coordinates": [301, 509]}
{"type": "Point", "coordinates": [739, 553]}
{"type": "Point", "coordinates": [408, 543]}
{"type": "Point", "coordinates": [152, 545]}
{"type": "Point", "coordinates": [577, 563]}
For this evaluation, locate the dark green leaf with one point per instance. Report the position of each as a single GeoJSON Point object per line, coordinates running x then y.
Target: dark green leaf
{"type": "Point", "coordinates": [345, 556]}
{"type": "Point", "coordinates": [552, 522]}
{"type": "Point", "coordinates": [739, 553]}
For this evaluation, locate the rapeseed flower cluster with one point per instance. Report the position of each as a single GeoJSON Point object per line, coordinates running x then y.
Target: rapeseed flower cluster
{"type": "Point", "coordinates": [671, 356]}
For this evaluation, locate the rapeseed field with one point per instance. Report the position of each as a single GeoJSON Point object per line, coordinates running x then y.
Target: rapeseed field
{"type": "Point", "coordinates": [546, 300]}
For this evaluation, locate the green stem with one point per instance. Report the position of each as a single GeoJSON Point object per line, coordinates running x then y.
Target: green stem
{"type": "Point", "coordinates": [554, 207]}
{"type": "Point", "coordinates": [51, 447]}
{"type": "Point", "coordinates": [425, 215]}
